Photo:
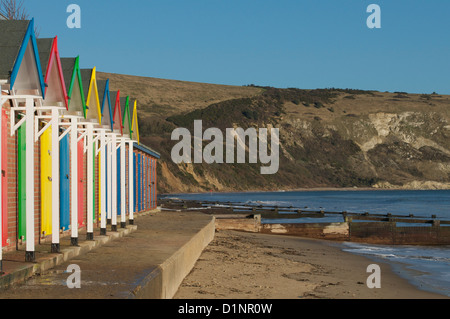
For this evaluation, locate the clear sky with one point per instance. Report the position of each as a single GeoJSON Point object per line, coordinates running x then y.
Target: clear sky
{"type": "Point", "coordinates": [285, 43]}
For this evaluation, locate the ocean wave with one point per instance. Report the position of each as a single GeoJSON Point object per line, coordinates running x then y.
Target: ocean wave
{"type": "Point", "coordinates": [268, 203]}
{"type": "Point", "coordinates": [375, 253]}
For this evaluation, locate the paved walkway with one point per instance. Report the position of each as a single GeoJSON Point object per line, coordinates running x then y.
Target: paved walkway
{"type": "Point", "coordinates": [147, 260]}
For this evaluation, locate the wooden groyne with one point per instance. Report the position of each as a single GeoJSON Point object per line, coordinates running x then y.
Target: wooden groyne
{"type": "Point", "coordinates": [390, 228]}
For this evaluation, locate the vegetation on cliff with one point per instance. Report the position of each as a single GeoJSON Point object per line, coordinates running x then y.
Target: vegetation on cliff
{"type": "Point", "coordinates": [328, 137]}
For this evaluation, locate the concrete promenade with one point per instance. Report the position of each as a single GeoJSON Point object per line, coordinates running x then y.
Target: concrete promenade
{"type": "Point", "coordinates": [147, 260]}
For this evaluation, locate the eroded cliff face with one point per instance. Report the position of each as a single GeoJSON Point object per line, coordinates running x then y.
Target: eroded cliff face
{"type": "Point", "coordinates": [383, 150]}
{"type": "Point", "coordinates": [328, 138]}
{"type": "Point", "coordinates": [411, 149]}
{"type": "Point", "coordinates": [373, 141]}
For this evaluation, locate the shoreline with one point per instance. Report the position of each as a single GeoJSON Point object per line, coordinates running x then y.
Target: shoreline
{"type": "Point", "coordinates": [319, 189]}
{"type": "Point", "coordinates": [239, 265]}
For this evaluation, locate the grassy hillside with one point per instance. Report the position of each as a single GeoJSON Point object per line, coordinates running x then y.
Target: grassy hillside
{"type": "Point", "coordinates": [329, 137]}
{"type": "Point", "coordinates": [159, 97]}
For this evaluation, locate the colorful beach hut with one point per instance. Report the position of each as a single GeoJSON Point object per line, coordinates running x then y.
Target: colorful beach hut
{"type": "Point", "coordinates": [94, 118]}
{"type": "Point", "coordinates": [77, 114]}
{"type": "Point", "coordinates": [107, 127]}
{"type": "Point", "coordinates": [126, 136]}
{"type": "Point", "coordinates": [112, 159]}
{"type": "Point", "coordinates": [55, 201]}
{"type": "Point", "coordinates": [22, 79]}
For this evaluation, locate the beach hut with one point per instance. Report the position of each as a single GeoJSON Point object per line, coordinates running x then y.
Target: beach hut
{"type": "Point", "coordinates": [55, 203]}
{"type": "Point", "coordinates": [22, 81]}
{"type": "Point", "coordinates": [134, 134]}
{"type": "Point", "coordinates": [77, 113]}
{"type": "Point", "coordinates": [107, 125]}
{"type": "Point", "coordinates": [112, 159]}
{"type": "Point", "coordinates": [127, 138]}
{"type": "Point", "coordinates": [126, 131]}
{"type": "Point", "coordinates": [124, 107]}
{"type": "Point", "coordinates": [94, 118]}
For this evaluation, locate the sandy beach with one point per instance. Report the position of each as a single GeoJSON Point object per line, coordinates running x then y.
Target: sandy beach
{"type": "Point", "coordinates": [239, 265]}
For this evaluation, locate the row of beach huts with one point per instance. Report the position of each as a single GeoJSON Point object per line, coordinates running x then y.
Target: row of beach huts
{"type": "Point", "coordinates": [71, 160]}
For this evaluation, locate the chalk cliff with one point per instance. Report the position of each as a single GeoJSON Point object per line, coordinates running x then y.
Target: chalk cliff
{"type": "Point", "coordinates": [328, 137]}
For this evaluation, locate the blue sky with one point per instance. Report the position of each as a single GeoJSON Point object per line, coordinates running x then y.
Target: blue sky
{"type": "Point", "coordinates": [286, 43]}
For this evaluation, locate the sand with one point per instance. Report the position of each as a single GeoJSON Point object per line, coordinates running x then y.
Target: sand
{"type": "Point", "coordinates": [239, 265]}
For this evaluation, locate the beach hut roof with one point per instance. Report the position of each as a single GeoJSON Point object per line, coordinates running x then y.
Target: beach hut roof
{"type": "Point", "coordinates": [117, 113]}
{"type": "Point", "coordinates": [135, 124]}
{"type": "Point", "coordinates": [68, 67]}
{"type": "Point", "coordinates": [86, 76]}
{"type": "Point", "coordinates": [19, 56]}
{"type": "Point", "coordinates": [45, 50]}
{"type": "Point", "coordinates": [147, 150]}
{"type": "Point", "coordinates": [92, 99]}
{"type": "Point", "coordinates": [55, 90]}
{"type": "Point", "coordinates": [101, 87]}
{"type": "Point", "coordinates": [123, 104]}
{"type": "Point", "coordinates": [105, 100]}
{"type": "Point", "coordinates": [74, 84]}
{"type": "Point", "coordinates": [126, 119]}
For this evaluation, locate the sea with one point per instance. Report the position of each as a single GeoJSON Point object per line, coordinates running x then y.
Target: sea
{"type": "Point", "coordinates": [426, 267]}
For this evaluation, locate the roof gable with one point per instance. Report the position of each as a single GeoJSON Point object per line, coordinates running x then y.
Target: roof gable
{"type": "Point", "coordinates": [45, 50]}
{"type": "Point", "coordinates": [126, 119]}
{"type": "Point", "coordinates": [74, 84]}
{"type": "Point", "coordinates": [92, 99]}
{"type": "Point", "coordinates": [106, 109]}
{"type": "Point", "coordinates": [135, 124]}
{"type": "Point", "coordinates": [19, 51]}
{"type": "Point", "coordinates": [117, 113]}
{"type": "Point", "coordinates": [55, 90]}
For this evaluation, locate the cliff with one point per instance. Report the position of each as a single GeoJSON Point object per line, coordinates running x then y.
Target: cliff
{"type": "Point", "coordinates": [328, 137]}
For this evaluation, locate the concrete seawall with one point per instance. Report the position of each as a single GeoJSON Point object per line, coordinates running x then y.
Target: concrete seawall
{"type": "Point", "coordinates": [17, 271]}
{"type": "Point", "coordinates": [163, 282]}
{"type": "Point", "coordinates": [149, 260]}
